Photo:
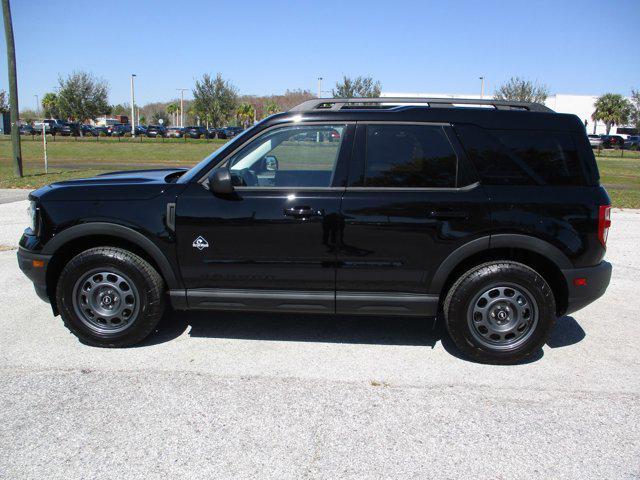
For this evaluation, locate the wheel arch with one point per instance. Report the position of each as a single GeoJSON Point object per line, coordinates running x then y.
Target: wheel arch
{"type": "Point", "coordinates": [538, 254]}
{"type": "Point", "coordinates": [68, 243]}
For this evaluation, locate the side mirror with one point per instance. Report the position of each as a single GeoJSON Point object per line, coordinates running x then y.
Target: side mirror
{"type": "Point", "coordinates": [271, 163]}
{"type": "Point", "coordinates": [220, 181]}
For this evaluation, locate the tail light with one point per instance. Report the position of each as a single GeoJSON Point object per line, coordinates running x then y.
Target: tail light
{"type": "Point", "coordinates": [604, 222]}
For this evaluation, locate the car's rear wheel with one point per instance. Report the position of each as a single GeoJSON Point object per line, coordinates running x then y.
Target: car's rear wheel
{"type": "Point", "coordinates": [110, 297]}
{"type": "Point", "coordinates": [500, 312]}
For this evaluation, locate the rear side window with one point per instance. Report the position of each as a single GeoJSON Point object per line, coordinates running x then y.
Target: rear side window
{"type": "Point", "coordinates": [551, 157]}
{"type": "Point", "coordinates": [410, 156]}
{"type": "Point", "coordinates": [513, 157]}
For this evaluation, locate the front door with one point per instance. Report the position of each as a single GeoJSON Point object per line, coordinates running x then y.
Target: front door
{"type": "Point", "coordinates": [271, 244]}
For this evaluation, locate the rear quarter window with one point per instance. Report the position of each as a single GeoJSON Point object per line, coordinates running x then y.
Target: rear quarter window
{"type": "Point", "coordinates": [515, 157]}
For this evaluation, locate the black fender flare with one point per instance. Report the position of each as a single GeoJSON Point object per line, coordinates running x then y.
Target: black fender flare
{"type": "Point", "coordinates": [115, 230]}
{"type": "Point", "coordinates": [489, 242]}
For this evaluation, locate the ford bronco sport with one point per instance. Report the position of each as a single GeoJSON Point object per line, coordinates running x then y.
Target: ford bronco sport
{"type": "Point", "coordinates": [488, 214]}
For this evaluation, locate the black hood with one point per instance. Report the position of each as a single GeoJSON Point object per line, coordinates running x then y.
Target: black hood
{"type": "Point", "coordinates": [122, 185]}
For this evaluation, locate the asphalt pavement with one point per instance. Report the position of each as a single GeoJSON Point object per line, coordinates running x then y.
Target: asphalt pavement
{"type": "Point", "coordinates": [265, 396]}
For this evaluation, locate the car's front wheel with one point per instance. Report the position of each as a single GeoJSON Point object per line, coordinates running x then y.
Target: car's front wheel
{"type": "Point", "coordinates": [110, 297]}
{"type": "Point", "coordinates": [500, 312]}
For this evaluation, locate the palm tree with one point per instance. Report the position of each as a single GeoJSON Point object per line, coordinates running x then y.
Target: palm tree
{"type": "Point", "coordinates": [612, 109]}
{"type": "Point", "coordinates": [193, 114]}
{"type": "Point", "coordinates": [50, 105]}
{"type": "Point", "coordinates": [246, 114]}
{"type": "Point", "coordinates": [173, 109]}
{"type": "Point", "coordinates": [271, 107]}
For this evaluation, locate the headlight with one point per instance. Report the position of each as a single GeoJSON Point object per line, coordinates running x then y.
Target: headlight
{"type": "Point", "coordinates": [32, 211]}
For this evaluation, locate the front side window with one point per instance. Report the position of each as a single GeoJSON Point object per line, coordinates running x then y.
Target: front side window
{"type": "Point", "coordinates": [292, 156]}
{"type": "Point", "coordinates": [409, 156]}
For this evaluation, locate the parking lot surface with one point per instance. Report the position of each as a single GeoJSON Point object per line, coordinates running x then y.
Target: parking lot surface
{"type": "Point", "coordinates": [214, 395]}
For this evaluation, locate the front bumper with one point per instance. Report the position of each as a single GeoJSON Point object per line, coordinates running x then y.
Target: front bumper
{"type": "Point", "coordinates": [583, 292]}
{"type": "Point", "coordinates": [34, 266]}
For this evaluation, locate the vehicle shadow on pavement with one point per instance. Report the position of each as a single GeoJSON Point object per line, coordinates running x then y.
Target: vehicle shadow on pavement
{"type": "Point", "coordinates": [299, 328]}
{"type": "Point", "coordinates": [410, 331]}
{"type": "Point", "coordinates": [567, 331]}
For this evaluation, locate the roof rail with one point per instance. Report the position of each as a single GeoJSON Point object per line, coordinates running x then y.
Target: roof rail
{"type": "Point", "coordinates": [390, 102]}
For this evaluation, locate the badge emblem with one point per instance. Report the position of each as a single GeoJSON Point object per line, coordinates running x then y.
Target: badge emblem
{"type": "Point", "coordinates": [200, 243]}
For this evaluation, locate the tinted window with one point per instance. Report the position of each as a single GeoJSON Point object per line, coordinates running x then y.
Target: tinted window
{"type": "Point", "coordinates": [293, 156]}
{"type": "Point", "coordinates": [550, 158]}
{"type": "Point", "coordinates": [510, 157]}
{"type": "Point", "coordinates": [409, 156]}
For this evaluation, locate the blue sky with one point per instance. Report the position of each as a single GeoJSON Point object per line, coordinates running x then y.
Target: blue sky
{"type": "Point", "coordinates": [582, 47]}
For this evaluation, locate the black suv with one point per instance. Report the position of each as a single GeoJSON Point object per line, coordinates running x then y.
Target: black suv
{"type": "Point", "coordinates": [196, 132]}
{"type": "Point", "coordinates": [489, 214]}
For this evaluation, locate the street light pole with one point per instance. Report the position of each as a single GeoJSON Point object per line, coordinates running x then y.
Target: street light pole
{"type": "Point", "coordinates": [133, 111]}
{"type": "Point", "coordinates": [319, 87]}
{"type": "Point", "coordinates": [37, 105]}
{"type": "Point", "coordinates": [182, 90]}
{"type": "Point", "coordinates": [481, 86]}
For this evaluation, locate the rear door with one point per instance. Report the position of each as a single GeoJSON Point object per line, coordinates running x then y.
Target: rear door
{"type": "Point", "coordinates": [411, 200]}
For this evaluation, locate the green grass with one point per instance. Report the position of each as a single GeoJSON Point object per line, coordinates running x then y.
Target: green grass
{"type": "Point", "coordinates": [621, 177]}
{"type": "Point", "coordinates": [69, 158]}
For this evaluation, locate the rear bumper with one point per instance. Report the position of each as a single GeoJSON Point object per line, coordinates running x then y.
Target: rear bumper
{"type": "Point", "coordinates": [597, 280]}
{"type": "Point", "coordinates": [28, 261]}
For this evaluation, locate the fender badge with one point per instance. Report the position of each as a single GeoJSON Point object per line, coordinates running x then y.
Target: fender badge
{"type": "Point", "coordinates": [200, 243]}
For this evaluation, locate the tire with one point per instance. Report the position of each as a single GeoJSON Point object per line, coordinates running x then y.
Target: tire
{"type": "Point", "coordinates": [110, 297]}
{"type": "Point", "coordinates": [500, 312]}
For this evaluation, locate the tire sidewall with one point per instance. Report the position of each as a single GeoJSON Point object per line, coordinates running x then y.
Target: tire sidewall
{"type": "Point", "coordinates": [483, 278]}
{"type": "Point", "coordinates": [85, 263]}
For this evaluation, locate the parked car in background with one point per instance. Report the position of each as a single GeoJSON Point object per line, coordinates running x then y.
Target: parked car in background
{"type": "Point", "coordinates": [595, 141]}
{"type": "Point", "coordinates": [141, 129]}
{"type": "Point", "coordinates": [217, 133]}
{"type": "Point", "coordinates": [119, 130]}
{"type": "Point", "coordinates": [155, 131]}
{"type": "Point", "coordinates": [86, 129]}
{"type": "Point", "coordinates": [196, 132]}
{"type": "Point", "coordinates": [233, 131]}
{"type": "Point", "coordinates": [50, 125]}
{"type": "Point", "coordinates": [632, 142]}
{"type": "Point", "coordinates": [99, 131]}
{"type": "Point", "coordinates": [612, 141]}
{"type": "Point", "coordinates": [26, 129]}
{"type": "Point", "coordinates": [174, 132]}
{"type": "Point", "coordinates": [69, 129]}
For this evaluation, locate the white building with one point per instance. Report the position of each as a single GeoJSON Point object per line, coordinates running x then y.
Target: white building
{"type": "Point", "coordinates": [580, 105]}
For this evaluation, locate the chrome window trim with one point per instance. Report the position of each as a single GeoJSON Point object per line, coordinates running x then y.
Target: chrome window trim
{"type": "Point", "coordinates": [466, 188]}
{"type": "Point", "coordinates": [400, 122]}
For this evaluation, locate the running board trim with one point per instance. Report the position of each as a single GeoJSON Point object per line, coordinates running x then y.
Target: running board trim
{"type": "Point", "coordinates": [300, 301]}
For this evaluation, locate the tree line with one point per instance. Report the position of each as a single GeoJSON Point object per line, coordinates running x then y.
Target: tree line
{"type": "Point", "coordinates": [610, 108]}
{"type": "Point", "coordinates": [80, 96]}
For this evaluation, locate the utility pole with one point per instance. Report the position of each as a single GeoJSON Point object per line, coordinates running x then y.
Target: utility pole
{"type": "Point", "coordinates": [37, 105]}
{"type": "Point", "coordinates": [319, 87]}
{"type": "Point", "coordinates": [182, 90]}
{"type": "Point", "coordinates": [481, 86]}
{"type": "Point", "coordinates": [13, 89]}
{"type": "Point", "coordinates": [133, 111]}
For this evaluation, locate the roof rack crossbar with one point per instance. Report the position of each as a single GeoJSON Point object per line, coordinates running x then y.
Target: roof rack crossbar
{"type": "Point", "coordinates": [339, 103]}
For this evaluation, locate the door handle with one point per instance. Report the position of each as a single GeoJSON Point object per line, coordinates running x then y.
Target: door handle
{"type": "Point", "coordinates": [302, 212]}
{"type": "Point", "coordinates": [445, 214]}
